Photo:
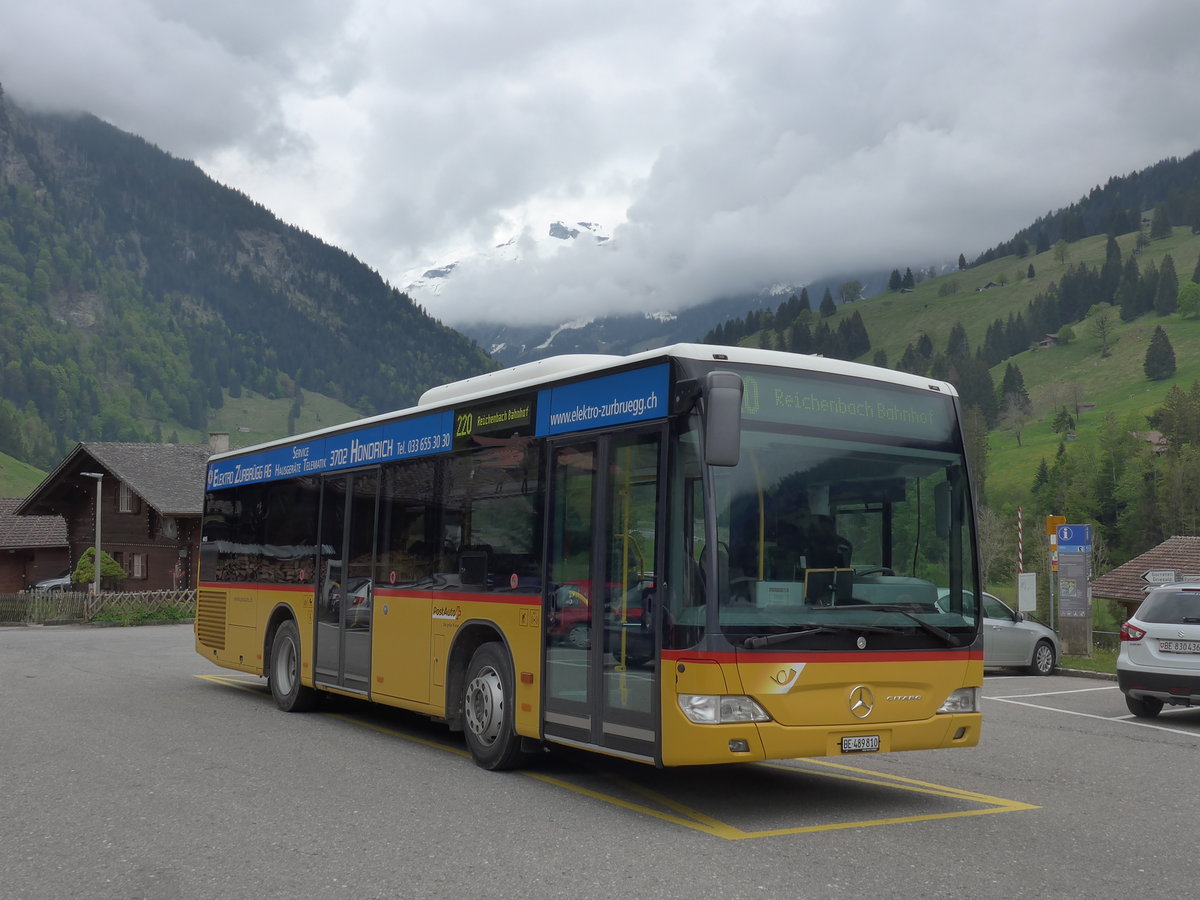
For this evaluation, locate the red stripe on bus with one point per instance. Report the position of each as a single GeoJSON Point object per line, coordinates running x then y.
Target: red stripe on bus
{"type": "Point", "coordinates": [516, 599]}
{"type": "Point", "coordinates": [250, 586]}
{"type": "Point", "coordinates": [464, 596]}
{"type": "Point", "coordinates": [863, 656]}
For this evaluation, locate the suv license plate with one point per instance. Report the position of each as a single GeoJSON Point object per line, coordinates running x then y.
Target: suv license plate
{"type": "Point", "coordinates": [860, 743]}
{"type": "Point", "coordinates": [1179, 646]}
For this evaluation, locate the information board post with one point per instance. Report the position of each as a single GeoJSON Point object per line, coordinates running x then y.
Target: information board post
{"type": "Point", "coordinates": [1074, 588]}
{"type": "Point", "coordinates": [1052, 523]}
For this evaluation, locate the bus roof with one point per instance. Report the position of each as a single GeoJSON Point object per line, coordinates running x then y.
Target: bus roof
{"type": "Point", "coordinates": [558, 368]}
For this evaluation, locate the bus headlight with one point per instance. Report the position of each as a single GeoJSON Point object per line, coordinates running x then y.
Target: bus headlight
{"type": "Point", "coordinates": [964, 700]}
{"type": "Point", "coordinates": [720, 709]}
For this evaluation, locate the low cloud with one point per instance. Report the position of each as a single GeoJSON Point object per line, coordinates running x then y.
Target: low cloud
{"type": "Point", "coordinates": [726, 147]}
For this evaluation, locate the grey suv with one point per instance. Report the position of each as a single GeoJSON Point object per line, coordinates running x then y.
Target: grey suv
{"type": "Point", "coordinates": [1159, 662]}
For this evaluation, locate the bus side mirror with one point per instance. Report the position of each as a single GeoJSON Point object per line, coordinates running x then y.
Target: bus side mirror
{"type": "Point", "coordinates": [722, 418]}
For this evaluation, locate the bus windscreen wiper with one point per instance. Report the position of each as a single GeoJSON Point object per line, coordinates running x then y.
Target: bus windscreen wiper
{"type": "Point", "coordinates": [766, 640]}
{"type": "Point", "coordinates": [946, 636]}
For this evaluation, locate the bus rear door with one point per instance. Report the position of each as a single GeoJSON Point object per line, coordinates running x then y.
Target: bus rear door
{"type": "Point", "coordinates": [345, 586]}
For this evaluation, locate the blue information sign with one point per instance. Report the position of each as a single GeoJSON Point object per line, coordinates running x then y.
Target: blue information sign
{"type": "Point", "coordinates": [1074, 538]}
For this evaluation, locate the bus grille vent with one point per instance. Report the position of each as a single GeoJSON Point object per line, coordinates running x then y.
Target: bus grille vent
{"type": "Point", "coordinates": [210, 618]}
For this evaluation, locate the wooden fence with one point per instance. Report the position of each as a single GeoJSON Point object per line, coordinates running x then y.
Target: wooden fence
{"type": "Point", "coordinates": [120, 607]}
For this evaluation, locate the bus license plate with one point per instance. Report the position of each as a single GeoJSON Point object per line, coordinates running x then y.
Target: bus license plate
{"type": "Point", "coordinates": [1179, 646]}
{"type": "Point", "coordinates": [860, 743]}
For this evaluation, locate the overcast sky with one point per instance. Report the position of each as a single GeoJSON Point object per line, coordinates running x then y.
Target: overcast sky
{"type": "Point", "coordinates": [724, 145]}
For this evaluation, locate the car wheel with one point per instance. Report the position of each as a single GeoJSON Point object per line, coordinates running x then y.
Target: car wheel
{"type": "Point", "coordinates": [488, 704]}
{"type": "Point", "coordinates": [1144, 707]}
{"type": "Point", "coordinates": [1043, 659]}
{"type": "Point", "coordinates": [580, 636]}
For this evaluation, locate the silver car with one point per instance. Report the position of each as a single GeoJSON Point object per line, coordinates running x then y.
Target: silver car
{"type": "Point", "coordinates": [1159, 661]}
{"type": "Point", "coordinates": [1012, 640]}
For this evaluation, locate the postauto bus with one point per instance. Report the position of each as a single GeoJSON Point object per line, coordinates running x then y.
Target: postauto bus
{"type": "Point", "coordinates": [691, 555]}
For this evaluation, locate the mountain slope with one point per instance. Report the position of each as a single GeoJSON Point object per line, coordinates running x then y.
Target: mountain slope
{"type": "Point", "coordinates": [138, 294]}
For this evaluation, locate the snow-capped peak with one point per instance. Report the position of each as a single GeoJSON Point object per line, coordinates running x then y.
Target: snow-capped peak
{"type": "Point", "coordinates": [558, 236]}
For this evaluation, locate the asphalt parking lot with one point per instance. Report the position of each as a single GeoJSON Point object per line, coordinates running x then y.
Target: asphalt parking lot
{"type": "Point", "coordinates": [1085, 695]}
{"type": "Point", "coordinates": [136, 769]}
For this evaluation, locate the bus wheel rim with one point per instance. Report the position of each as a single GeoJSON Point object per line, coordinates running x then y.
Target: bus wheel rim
{"type": "Point", "coordinates": [484, 706]}
{"type": "Point", "coordinates": [285, 667]}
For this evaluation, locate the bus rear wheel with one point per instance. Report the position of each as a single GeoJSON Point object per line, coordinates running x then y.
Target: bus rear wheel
{"type": "Point", "coordinates": [284, 673]}
{"type": "Point", "coordinates": [488, 703]}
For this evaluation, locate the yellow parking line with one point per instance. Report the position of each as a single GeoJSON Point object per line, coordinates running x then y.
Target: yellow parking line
{"type": "Point", "coordinates": [680, 814]}
{"type": "Point", "coordinates": [237, 681]}
{"type": "Point", "coordinates": [688, 818]}
{"type": "Point", "coordinates": [912, 784]}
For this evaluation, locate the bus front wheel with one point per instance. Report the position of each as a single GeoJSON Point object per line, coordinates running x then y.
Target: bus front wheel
{"type": "Point", "coordinates": [284, 675]}
{"type": "Point", "coordinates": [488, 705]}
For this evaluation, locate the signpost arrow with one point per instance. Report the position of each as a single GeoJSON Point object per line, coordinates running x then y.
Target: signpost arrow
{"type": "Point", "coordinates": [1160, 576]}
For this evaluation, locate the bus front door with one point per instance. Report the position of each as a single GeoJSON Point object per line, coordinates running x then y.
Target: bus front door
{"type": "Point", "coordinates": [601, 668]}
{"type": "Point", "coordinates": [345, 589]}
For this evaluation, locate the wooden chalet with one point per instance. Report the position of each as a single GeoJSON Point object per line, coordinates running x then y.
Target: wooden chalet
{"type": "Point", "coordinates": [151, 501]}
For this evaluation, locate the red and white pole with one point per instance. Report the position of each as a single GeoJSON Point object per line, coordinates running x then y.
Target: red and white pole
{"type": "Point", "coordinates": [1020, 543]}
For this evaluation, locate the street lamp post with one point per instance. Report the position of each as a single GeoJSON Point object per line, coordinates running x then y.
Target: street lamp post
{"type": "Point", "coordinates": [99, 476]}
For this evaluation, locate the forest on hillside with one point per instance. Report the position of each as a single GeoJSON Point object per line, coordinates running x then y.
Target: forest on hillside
{"type": "Point", "coordinates": [137, 294]}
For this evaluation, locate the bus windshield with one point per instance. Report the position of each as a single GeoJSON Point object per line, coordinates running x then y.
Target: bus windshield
{"type": "Point", "coordinates": [848, 514]}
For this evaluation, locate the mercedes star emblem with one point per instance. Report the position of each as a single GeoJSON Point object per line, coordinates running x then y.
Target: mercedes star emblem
{"type": "Point", "coordinates": [862, 701]}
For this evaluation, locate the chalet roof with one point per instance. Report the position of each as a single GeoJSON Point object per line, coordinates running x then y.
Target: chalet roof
{"type": "Point", "coordinates": [26, 532]}
{"type": "Point", "coordinates": [168, 477]}
{"type": "Point", "coordinates": [1181, 553]}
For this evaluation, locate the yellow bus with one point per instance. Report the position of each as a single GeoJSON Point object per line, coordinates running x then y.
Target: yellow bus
{"type": "Point", "coordinates": [691, 555]}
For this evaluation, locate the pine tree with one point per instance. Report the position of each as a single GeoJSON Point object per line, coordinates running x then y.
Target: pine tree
{"type": "Point", "coordinates": [957, 344]}
{"type": "Point", "coordinates": [913, 361]}
{"type": "Point", "coordinates": [1160, 357]}
{"type": "Point", "coordinates": [825, 341]}
{"type": "Point", "coordinates": [1017, 335]}
{"type": "Point", "coordinates": [802, 339]}
{"type": "Point", "coordinates": [1041, 476]}
{"type": "Point", "coordinates": [1110, 272]}
{"type": "Point", "coordinates": [1166, 297]}
{"type": "Point", "coordinates": [1112, 250]}
{"type": "Point", "coordinates": [908, 281]}
{"type": "Point", "coordinates": [787, 312]}
{"type": "Point", "coordinates": [1160, 224]}
{"type": "Point", "coordinates": [925, 345]}
{"type": "Point", "coordinates": [854, 338]}
{"type": "Point", "coordinates": [1148, 289]}
{"type": "Point", "coordinates": [1063, 421]}
{"type": "Point", "coordinates": [1126, 296]}
{"type": "Point", "coordinates": [1012, 389]}
{"type": "Point", "coordinates": [827, 305]}
{"type": "Point", "coordinates": [962, 262]}
{"type": "Point", "coordinates": [894, 280]}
